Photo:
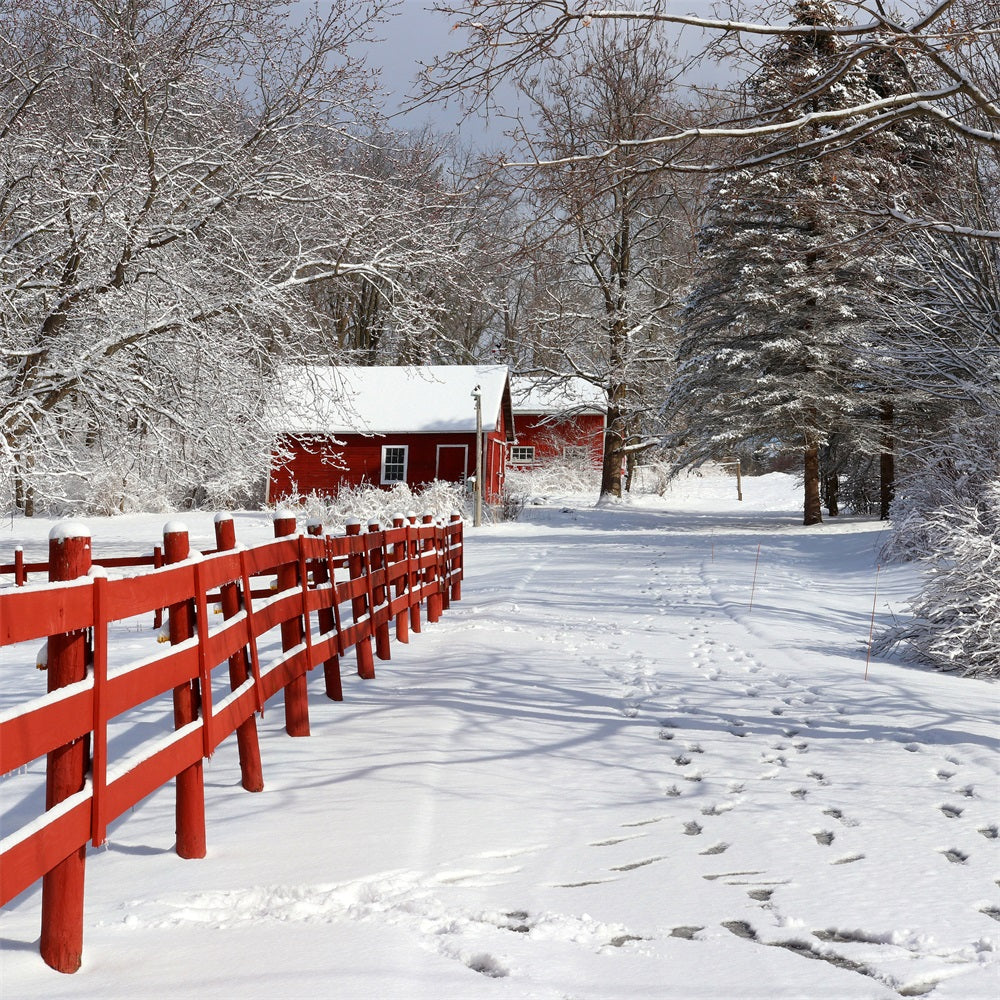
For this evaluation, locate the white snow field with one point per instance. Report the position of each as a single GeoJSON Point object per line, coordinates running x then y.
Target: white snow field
{"type": "Point", "coordinates": [602, 774]}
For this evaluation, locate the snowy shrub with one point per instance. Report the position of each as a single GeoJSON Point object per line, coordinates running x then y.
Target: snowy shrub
{"type": "Point", "coordinates": [955, 623]}
{"type": "Point", "coordinates": [557, 477]}
{"type": "Point", "coordinates": [369, 503]}
{"type": "Point", "coordinates": [858, 489]}
{"type": "Point", "coordinates": [943, 474]}
{"type": "Point", "coordinates": [509, 506]}
{"type": "Point", "coordinates": [948, 516]}
{"type": "Point", "coordinates": [652, 477]}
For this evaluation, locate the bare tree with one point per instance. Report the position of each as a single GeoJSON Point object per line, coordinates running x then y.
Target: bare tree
{"type": "Point", "coordinates": [952, 45]}
{"type": "Point", "coordinates": [607, 232]}
{"type": "Point", "coordinates": [174, 180]}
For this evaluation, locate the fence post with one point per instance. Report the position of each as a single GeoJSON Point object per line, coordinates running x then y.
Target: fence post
{"type": "Point", "coordinates": [292, 635]}
{"type": "Point", "coordinates": [327, 620]}
{"type": "Point", "coordinates": [20, 578]}
{"type": "Point", "coordinates": [432, 572]}
{"type": "Point", "coordinates": [444, 562]}
{"type": "Point", "coordinates": [356, 568]}
{"type": "Point", "coordinates": [239, 666]}
{"type": "Point", "coordinates": [61, 944]}
{"type": "Point", "coordinates": [378, 562]}
{"type": "Point", "coordinates": [189, 809]}
{"type": "Point", "coordinates": [399, 556]}
{"type": "Point", "coordinates": [414, 582]}
{"type": "Point", "coordinates": [457, 550]}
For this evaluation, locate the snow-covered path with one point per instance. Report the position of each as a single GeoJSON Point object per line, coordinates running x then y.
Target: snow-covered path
{"type": "Point", "coordinates": [601, 775]}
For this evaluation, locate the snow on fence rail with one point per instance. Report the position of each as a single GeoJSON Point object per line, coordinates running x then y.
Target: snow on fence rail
{"type": "Point", "coordinates": [323, 596]}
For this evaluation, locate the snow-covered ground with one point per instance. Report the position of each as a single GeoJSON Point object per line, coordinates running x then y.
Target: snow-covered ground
{"type": "Point", "coordinates": [602, 774]}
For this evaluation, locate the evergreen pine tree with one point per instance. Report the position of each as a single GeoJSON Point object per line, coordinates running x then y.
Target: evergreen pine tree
{"type": "Point", "coordinates": [770, 357]}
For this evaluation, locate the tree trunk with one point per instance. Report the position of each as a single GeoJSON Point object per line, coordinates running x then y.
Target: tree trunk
{"type": "Point", "coordinates": [813, 507]}
{"type": "Point", "coordinates": [832, 489]}
{"type": "Point", "coordinates": [24, 493]}
{"type": "Point", "coordinates": [614, 449]}
{"type": "Point", "coordinates": [887, 462]}
{"type": "Point", "coordinates": [630, 463]}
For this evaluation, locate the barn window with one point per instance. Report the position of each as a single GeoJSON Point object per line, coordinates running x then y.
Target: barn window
{"type": "Point", "coordinates": [576, 453]}
{"type": "Point", "coordinates": [522, 454]}
{"type": "Point", "coordinates": [394, 463]}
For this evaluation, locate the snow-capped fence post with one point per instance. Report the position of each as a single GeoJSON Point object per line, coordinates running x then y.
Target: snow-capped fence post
{"type": "Point", "coordinates": [61, 943]}
{"type": "Point", "coordinates": [399, 550]}
{"type": "Point", "coordinates": [190, 787]}
{"type": "Point", "coordinates": [239, 665]}
{"type": "Point", "coordinates": [19, 575]}
{"type": "Point", "coordinates": [292, 635]}
{"type": "Point", "coordinates": [327, 618]}
{"type": "Point", "coordinates": [413, 556]}
{"type": "Point", "coordinates": [456, 552]}
{"type": "Point", "coordinates": [359, 603]}
{"type": "Point", "coordinates": [431, 573]}
{"type": "Point", "coordinates": [378, 562]}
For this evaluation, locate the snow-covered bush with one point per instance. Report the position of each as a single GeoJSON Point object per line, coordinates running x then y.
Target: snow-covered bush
{"type": "Point", "coordinates": [557, 477]}
{"type": "Point", "coordinates": [369, 503]}
{"type": "Point", "coordinates": [955, 623]}
{"type": "Point", "coordinates": [943, 474]}
{"type": "Point", "coordinates": [948, 516]}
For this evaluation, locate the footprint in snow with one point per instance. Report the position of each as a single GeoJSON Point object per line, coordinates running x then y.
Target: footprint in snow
{"type": "Point", "coordinates": [955, 856]}
{"type": "Point", "coordinates": [838, 814]}
{"type": "Point", "coordinates": [719, 848]}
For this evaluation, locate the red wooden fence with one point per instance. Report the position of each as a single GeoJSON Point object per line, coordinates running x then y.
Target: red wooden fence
{"type": "Point", "coordinates": [329, 595]}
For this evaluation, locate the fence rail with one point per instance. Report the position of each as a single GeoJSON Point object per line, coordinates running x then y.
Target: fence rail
{"type": "Point", "coordinates": [287, 606]}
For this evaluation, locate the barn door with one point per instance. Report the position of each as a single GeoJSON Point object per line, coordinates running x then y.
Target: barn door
{"type": "Point", "coordinates": [452, 462]}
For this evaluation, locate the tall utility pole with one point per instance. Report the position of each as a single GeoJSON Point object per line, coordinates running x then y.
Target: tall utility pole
{"type": "Point", "coordinates": [477, 517]}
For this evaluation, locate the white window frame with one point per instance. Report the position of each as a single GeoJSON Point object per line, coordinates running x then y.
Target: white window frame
{"type": "Point", "coordinates": [576, 452]}
{"type": "Point", "coordinates": [517, 459]}
{"type": "Point", "coordinates": [386, 448]}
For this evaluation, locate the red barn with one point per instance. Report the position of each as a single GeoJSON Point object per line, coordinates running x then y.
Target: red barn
{"type": "Point", "coordinates": [557, 419]}
{"type": "Point", "coordinates": [388, 425]}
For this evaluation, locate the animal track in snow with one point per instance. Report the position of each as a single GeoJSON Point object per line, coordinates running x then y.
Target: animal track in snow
{"type": "Point", "coordinates": [644, 822]}
{"type": "Point", "coordinates": [610, 842]}
{"type": "Point", "coordinates": [717, 808]}
{"type": "Point", "coordinates": [631, 866]}
{"type": "Point", "coordinates": [719, 848]}
{"type": "Point", "coordinates": [955, 856]}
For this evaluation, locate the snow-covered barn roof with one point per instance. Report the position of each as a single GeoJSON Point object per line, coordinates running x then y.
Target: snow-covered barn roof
{"type": "Point", "coordinates": [530, 394]}
{"type": "Point", "coordinates": [391, 400]}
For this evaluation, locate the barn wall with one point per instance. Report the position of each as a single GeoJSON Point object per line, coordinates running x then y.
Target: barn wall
{"type": "Point", "coordinates": [354, 459]}
{"type": "Point", "coordinates": [549, 437]}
